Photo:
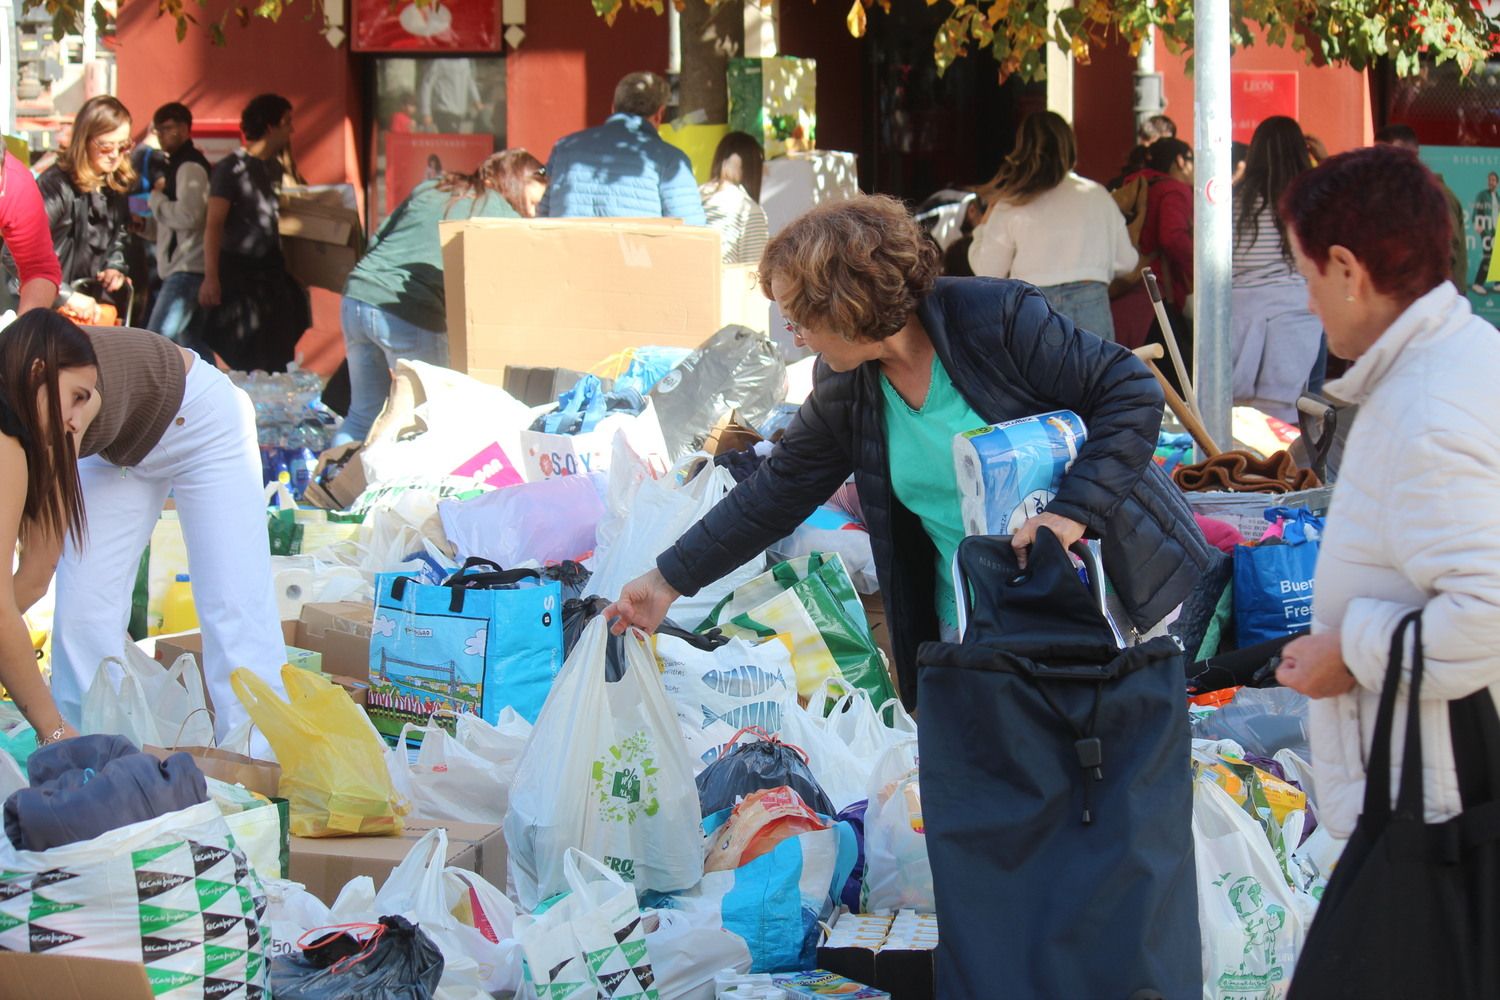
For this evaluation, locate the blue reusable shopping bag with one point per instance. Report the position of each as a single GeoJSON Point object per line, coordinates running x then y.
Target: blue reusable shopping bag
{"type": "Point", "coordinates": [776, 901]}
{"type": "Point", "coordinates": [1273, 584]}
{"type": "Point", "coordinates": [476, 644]}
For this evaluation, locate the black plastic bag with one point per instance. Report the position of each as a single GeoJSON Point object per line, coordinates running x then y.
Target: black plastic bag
{"type": "Point", "coordinates": [750, 767]}
{"type": "Point", "coordinates": [395, 962]}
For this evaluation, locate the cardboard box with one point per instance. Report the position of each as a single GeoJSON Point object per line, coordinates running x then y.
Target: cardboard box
{"type": "Point", "coordinates": [326, 864]}
{"type": "Point", "coordinates": [775, 99]}
{"type": "Point", "coordinates": [71, 977]}
{"type": "Point", "coordinates": [572, 292]}
{"type": "Point", "coordinates": [742, 301]}
{"type": "Point", "coordinates": [343, 485]}
{"type": "Point", "coordinates": [536, 386]}
{"type": "Point", "coordinates": [320, 237]}
{"type": "Point", "coordinates": [339, 632]}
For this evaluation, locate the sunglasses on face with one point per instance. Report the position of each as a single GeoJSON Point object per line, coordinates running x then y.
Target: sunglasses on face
{"type": "Point", "coordinates": [112, 148]}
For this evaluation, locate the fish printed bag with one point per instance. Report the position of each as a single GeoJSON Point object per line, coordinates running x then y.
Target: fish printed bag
{"type": "Point", "coordinates": [605, 772]}
{"type": "Point", "coordinates": [812, 602]}
{"type": "Point", "coordinates": [718, 693]}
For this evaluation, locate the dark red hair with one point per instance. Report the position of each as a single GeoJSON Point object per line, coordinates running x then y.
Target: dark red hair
{"type": "Point", "coordinates": [1382, 205]}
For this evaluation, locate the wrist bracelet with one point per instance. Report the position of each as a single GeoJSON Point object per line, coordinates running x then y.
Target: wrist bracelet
{"type": "Point", "coordinates": [53, 736]}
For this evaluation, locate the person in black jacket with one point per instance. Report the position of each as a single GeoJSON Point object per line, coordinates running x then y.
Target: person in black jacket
{"type": "Point", "coordinates": [85, 195]}
{"type": "Point", "coordinates": [907, 360]}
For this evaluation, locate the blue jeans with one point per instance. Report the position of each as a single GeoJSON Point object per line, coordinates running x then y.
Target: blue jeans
{"type": "Point", "coordinates": [1086, 303]}
{"type": "Point", "coordinates": [175, 314]}
{"type": "Point", "coordinates": [373, 339]}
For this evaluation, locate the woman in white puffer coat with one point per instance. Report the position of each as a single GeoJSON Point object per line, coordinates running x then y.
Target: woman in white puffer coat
{"type": "Point", "coordinates": [1415, 521]}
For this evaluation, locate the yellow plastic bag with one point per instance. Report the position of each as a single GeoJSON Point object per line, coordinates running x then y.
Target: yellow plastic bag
{"type": "Point", "coordinates": [332, 761]}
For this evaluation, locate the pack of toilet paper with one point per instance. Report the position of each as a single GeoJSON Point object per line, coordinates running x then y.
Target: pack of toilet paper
{"type": "Point", "coordinates": [1009, 472]}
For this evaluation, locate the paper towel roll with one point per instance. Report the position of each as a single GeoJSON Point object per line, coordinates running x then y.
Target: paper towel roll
{"type": "Point", "coordinates": [1009, 472]}
{"type": "Point", "coordinates": [294, 588]}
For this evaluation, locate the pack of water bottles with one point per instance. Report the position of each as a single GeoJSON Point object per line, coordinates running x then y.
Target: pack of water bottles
{"type": "Point", "coordinates": [294, 426]}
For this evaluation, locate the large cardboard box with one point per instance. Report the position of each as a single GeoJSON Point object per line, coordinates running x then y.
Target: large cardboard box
{"type": "Point", "coordinates": [569, 293]}
{"type": "Point", "coordinates": [326, 864]}
{"type": "Point", "coordinates": [320, 236]}
{"type": "Point", "coordinates": [775, 99]}
{"type": "Point", "coordinates": [71, 977]}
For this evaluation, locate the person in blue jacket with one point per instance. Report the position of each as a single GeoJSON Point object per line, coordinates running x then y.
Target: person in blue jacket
{"type": "Point", "coordinates": [623, 168]}
{"type": "Point", "coordinates": [907, 360]}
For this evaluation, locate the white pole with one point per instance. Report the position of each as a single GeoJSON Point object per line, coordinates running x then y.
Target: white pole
{"type": "Point", "coordinates": [8, 67]}
{"type": "Point", "coordinates": [1059, 69]}
{"type": "Point", "coordinates": [1213, 215]}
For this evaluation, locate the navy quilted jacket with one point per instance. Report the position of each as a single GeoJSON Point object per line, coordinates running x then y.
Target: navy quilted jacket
{"type": "Point", "coordinates": [621, 169]}
{"type": "Point", "coordinates": [1010, 356]}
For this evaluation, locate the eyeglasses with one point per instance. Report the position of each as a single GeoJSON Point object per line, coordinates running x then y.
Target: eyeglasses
{"type": "Point", "coordinates": [112, 148]}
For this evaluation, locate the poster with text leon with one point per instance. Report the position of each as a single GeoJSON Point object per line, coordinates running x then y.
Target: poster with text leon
{"type": "Point", "coordinates": [1473, 174]}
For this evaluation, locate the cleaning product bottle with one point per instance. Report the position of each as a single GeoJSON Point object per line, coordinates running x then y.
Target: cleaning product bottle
{"type": "Point", "coordinates": [177, 611]}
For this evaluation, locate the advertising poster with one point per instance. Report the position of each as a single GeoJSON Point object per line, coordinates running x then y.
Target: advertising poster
{"type": "Point", "coordinates": [414, 157]}
{"type": "Point", "coordinates": [1473, 174]}
{"type": "Point", "coordinates": [435, 26]}
{"type": "Point", "coordinates": [1256, 95]}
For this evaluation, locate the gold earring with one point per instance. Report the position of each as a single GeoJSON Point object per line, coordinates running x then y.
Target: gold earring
{"type": "Point", "coordinates": [1348, 298]}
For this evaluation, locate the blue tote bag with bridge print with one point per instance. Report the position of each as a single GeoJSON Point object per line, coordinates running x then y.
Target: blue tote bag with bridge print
{"type": "Point", "coordinates": [483, 640]}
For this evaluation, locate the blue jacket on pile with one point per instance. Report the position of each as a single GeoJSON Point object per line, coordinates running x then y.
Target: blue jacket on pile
{"type": "Point", "coordinates": [621, 169]}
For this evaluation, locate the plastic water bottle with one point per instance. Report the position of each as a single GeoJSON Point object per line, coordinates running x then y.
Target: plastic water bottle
{"type": "Point", "coordinates": [178, 613]}
{"type": "Point", "coordinates": [301, 460]}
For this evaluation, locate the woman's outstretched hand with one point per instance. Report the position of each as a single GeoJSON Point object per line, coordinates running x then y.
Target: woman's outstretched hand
{"type": "Point", "coordinates": [642, 604]}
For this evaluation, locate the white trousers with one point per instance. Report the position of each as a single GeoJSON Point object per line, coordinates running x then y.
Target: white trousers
{"type": "Point", "coordinates": [209, 461]}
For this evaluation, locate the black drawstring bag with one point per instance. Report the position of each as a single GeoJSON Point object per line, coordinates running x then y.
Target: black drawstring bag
{"type": "Point", "coordinates": [765, 762]}
{"type": "Point", "coordinates": [392, 960]}
{"type": "Point", "coordinates": [1413, 908]}
{"type": "Point", "coordinates": [1056, 791]}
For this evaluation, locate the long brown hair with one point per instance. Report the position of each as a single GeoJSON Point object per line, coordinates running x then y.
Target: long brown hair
{"type": "Point", "coordinates": [1046, 151]}
{"type": "Point", "coordinates": [506, 173]}
{"type": "Point", "coordinates": [98, 116]}
{"type": "Point", "coordinates": [738, 159]}
{"type": "Point", "coordinates": [33, 350]}
{"type": "Point", "coordinates": [1278, 154]}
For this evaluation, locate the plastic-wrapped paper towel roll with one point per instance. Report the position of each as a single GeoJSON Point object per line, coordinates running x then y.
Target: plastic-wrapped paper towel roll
{"type": "Point", "coordinates": [1010, 472]}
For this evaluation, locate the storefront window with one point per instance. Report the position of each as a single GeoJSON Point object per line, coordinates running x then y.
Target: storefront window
{"type": "Point", "coordinates": [1442, 108]}
{"type": "Point", "coordinates": [432, 116]}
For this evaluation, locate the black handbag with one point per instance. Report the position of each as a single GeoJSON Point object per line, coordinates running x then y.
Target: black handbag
{"type": "Point", "coordinates": [1411, 910]}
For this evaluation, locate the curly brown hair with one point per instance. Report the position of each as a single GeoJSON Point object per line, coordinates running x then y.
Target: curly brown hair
{"type": "Point", "coordinates": [858, 268]}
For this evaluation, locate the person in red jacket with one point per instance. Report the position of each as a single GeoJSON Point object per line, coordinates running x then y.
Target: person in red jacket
{"type": "Point", "coordinates": [1166, 247]}
{"type": "Point", "coordinates": [28, 237]}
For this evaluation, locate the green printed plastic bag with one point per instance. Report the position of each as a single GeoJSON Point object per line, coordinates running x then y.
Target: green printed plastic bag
{"type": "Point", "coordinates": [812, 601]}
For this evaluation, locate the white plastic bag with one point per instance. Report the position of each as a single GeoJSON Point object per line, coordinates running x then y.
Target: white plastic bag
{"type": "Point", "coordinates": [440, 422]}
{"type": "Point", "coordinates": [686, 954]}
{"type": "Point", "coordinates": [420, 890]}
{"type": "Point", "coordinates": [592, 942]}
{"type": "Point", "coordinates": [856, 722]}
{"type": "Point", "coordinates": [162, 706]}
{"type": "Point", "coordinates": [898, 875]}
{"type": "Point", "coordinates": [605, 772]}
{"type": "Point", "coordinates": [1253, 923]}
{"type": "Point", "coordinates": [447, 781]}
{"type": "Point", "coordinates": [500, 746]}
{"type": "Point", "coordinates": [291, 911]}
{"type": "Point", "coordinates": [541, 522]}
{"type": "Point", "coordinates": [661, 510]}
{"type": "Point", "coordinates": [716, 693]}
{"type": "Point", "coordinates": [843, 775]}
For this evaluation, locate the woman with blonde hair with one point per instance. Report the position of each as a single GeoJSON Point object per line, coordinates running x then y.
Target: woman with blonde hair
{"type": "Point", "coordinates": [85, 196]}
{"type": "Point", "coordinates": [1052, 228]}
{"type": "Point", "coordinates": [394, 305]}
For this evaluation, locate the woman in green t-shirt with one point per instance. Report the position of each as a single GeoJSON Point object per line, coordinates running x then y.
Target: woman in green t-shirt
{"type": "Point", "coordinates": [393, 302]}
